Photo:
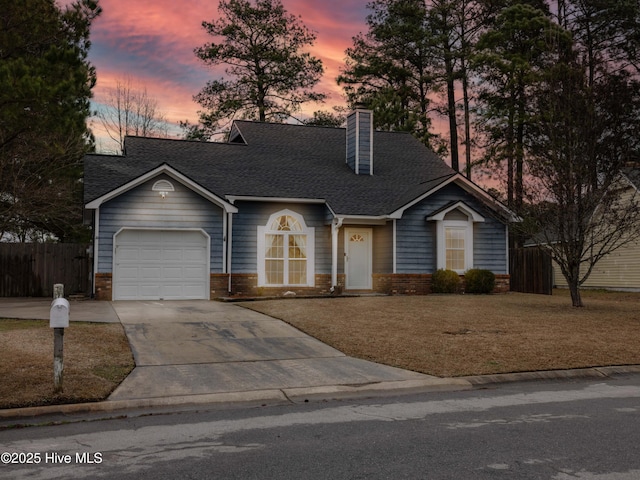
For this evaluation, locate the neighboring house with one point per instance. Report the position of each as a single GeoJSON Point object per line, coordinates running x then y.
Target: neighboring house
{"type": "Point", "coordinates": [280, 208]}
{"type": "Point", "coordinates": [620, 270]}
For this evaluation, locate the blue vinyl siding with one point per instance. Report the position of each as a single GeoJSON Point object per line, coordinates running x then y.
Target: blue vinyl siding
{"type": "Point", "coordinates": [364, 157]}
{"type": "Point", "coordinates": [415, 241]}
{"type": "Point", "coordinates": [490, 246]}
{"type": "Point", "coordinates": [416, 238]}
{"type": "Point", "coordinates": [143, 208]}
{"type": "Point", "coordinates": [359, 128]}
{"type": "Point", "coordinates": [252, 214]}
{"type": "Point", "coordinates": [351, 145]}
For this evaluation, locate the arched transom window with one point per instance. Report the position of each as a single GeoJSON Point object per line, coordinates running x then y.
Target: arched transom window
{"type": "Point", "coordinates": [285, 251]}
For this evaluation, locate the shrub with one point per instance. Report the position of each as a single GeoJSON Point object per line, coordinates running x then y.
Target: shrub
{"type": "Point", "coordinates": [445, 281]}
{"type": "Point", "coordinates": [479, 281]}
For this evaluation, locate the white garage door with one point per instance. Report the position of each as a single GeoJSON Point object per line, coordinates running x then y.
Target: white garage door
{"type": "Point", "coordinates": [161, 265]}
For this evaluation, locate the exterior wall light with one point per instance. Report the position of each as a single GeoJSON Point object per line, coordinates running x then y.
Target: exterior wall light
{"type": "Point", "coordinates": [163, 187]}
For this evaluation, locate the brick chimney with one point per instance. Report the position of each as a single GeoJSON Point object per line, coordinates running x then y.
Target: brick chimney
{"type": "Point", "coordinates": [360, 141]}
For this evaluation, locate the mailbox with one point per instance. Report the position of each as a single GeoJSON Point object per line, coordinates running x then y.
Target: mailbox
{"type": "Point", "coordinates": [59, 314]}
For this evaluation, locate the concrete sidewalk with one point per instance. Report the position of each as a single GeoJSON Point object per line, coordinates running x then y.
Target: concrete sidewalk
{"type": "Point", "coordinates": [38, 309]}
{"type": "Point", "coordinates": [196, 352]}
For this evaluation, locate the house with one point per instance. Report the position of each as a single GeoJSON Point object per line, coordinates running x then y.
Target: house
{"type": "Point", "coordinates": [620, 269]}
{"type": "Point", "coordinates": [286, 208]}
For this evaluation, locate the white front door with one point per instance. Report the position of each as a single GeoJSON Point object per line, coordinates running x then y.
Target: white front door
{"type": "Point", "coordinates": [358, 258]}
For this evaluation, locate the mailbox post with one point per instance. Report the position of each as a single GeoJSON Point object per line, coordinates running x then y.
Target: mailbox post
{"type": "Point", "coordinates": [58, 320]}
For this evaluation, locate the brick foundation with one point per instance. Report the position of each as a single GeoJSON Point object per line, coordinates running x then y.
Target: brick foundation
{"type": "Point", "coordinates": [503, 284]}
{"type": "Point", "coordinates": [104, 290]}
{"type": "Point", "coordinates": [245, 285]}
{"type": "Point", "coordinates": [402, 284]}
{"type": "Point", "coordinates": [420, 284]}
{"type": "Point", "coordinates": [218, 285]}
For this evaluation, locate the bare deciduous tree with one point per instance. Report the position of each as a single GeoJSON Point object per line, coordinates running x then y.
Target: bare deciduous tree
{"type": "Point", "coordinates": [584, 144]}
{"type": "Point", "coordinates": [129, 110]}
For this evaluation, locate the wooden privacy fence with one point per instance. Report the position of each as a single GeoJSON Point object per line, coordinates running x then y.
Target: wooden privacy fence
{"type": "Point", "coordinates": [531, 271]}
{"type": "Point", "coordinates": [31, 269]}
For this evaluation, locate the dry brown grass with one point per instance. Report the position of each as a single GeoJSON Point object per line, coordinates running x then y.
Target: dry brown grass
{"type": "Point", "coordinates": [457, 335]}
{"type": "Point", "coordinates": [97, 358]}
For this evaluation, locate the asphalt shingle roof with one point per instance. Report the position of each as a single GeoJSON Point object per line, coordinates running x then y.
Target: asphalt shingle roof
{"type": "Point", "coordinates": [633, 174]}
{"type": "Point", "coordinates": [282, 161]}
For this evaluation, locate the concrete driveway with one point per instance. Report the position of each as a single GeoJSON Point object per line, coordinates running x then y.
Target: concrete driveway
{"type": "Point", "coordinates": [184, 348]}
{"type": "Point", "coordinates": [205, 351]}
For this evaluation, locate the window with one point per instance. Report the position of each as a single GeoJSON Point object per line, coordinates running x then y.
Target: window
{"type": "Point", "coordinates": [285, 251]}
{"type": "Point", "coordinates": [455, 248]}
{"type": "Point", "coordinates": [455, 236]}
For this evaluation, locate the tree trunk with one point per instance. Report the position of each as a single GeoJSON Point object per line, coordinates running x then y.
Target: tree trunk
{"type": "Point", "coordinates": [572, 276]}
{"type": "Point", "coordinates": [519, 185]}
{"type": "Point", "coordinates": [451, 109]}
{"type": "Point", "coordinates": [467, 121]}
{"type": "Point", "coordinates": [576, 298]}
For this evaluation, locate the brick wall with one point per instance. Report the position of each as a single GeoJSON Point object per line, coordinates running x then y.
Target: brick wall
{"type": "Point", "coordinates": [420, 284]}
{"type": "Point", "coordinates": [503, 284]}
{"type": "Point", "coordinates": [218, 285]}
{"type": "Point", "coordinates": [104, 289]}
{"type": "Point", "coordinates": [245, 285]}
{"type": "Point", "coordinates": [402, 284]}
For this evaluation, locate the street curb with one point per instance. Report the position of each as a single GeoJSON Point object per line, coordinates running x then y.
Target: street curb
{"type": "Point", "coordinates": [433, 384]}
{"type": "Point", "coordinates": [593, 372]}
{"type": "Point", "coordinates": [110, 406]}
{"type": "Point", "coordinates": [306, 394]}
{"type": "Point", "coordinates": [273, 396]}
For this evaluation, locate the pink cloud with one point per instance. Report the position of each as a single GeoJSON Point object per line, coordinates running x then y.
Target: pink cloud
{"type": "Point", "coordinates": [152, 42]}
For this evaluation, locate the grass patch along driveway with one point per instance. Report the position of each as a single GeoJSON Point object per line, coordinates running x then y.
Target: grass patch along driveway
{"type": "Point", "coordinates": [97, 358]}
{"type": "Point", "coordinates": [458, 335]}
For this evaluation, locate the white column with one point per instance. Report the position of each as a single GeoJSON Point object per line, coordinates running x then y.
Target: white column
{"type": "Point", "coordinates": [335, 229]}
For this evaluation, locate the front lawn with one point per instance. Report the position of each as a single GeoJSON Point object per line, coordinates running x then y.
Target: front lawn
{"type": "Point", "coordinates": [457, 335]}
{"type": "Point", "coordinates": [97, 358]}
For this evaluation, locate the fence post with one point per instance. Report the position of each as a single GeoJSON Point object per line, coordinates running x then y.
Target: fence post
{"type": "Point", "coordinates": [58, 346]}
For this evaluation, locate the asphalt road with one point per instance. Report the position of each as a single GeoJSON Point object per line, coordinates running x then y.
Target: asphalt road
{"type": "Point", "coordinates": [581, 429]}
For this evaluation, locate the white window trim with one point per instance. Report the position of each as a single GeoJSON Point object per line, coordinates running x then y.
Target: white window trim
{"type": "Point", "coordinates": [442, 225]}
{"type": "Point", "coordinates": [264, 230]}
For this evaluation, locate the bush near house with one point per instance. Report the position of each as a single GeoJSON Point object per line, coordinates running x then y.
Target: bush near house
{"type": "Point", "coordinates": [445, 281]}
{"type": "Point", "coordinates": [478, 280]}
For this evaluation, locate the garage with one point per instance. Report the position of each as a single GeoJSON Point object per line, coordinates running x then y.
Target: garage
{"type": "Point", "coordinates": [161, 265]}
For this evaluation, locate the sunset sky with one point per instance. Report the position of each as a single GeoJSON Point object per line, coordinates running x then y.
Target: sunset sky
{"type": "Point", "coordinates": [152, 42]}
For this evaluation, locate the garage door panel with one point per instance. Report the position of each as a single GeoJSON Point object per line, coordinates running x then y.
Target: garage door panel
{"type": "Point", "coordinates": [171, 274]}
{"type": "Point", "coordinates": [128, 272]}
{"type": "Point", "coordinates": [128, 253]}
{"type": "Point", "coordinates": [148, 292]}
{"type": "Point", "coordinates": [149, 274]}
{"type": "Point", "coordinates": [147, 236]}
{"type": "Point", "coordinates": [150, 254]}
{"type": "Point", "coordinates": [195, 291]}
{"type": "Point", "coordinates": [172, 254]}
{"type": "Point", "coordinates": [158, 264]}
{"type": "Point", "coordinates": [192, 270]}
{"type": "Point", "coordinates": [194, 254]}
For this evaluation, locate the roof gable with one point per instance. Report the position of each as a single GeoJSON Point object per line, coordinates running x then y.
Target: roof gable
{"type": "Point", "coordinates": [166, 169]}
{"type": "Point", "coordinates": [283, 161]}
